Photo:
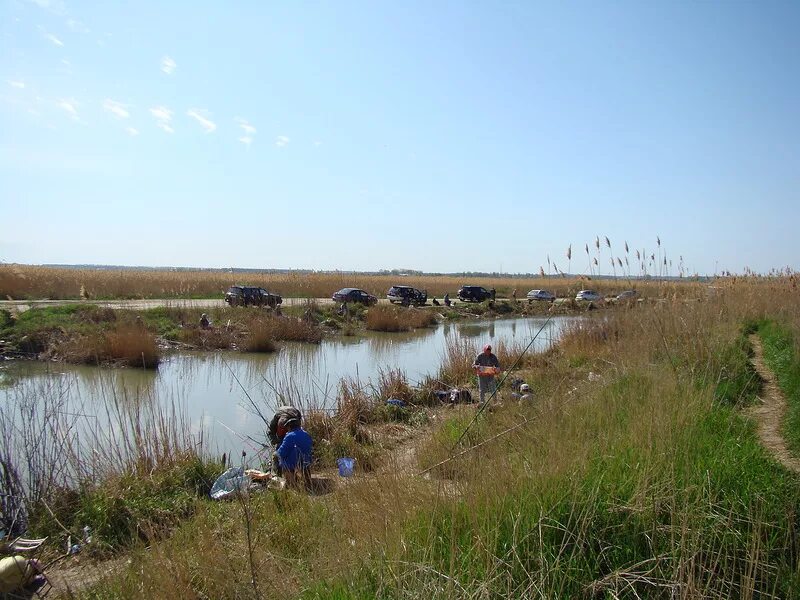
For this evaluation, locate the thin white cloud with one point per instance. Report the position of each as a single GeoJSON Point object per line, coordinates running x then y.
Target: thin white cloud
{"type": "Point", "coordinates": [77, 26]}
{"type": "Point", "coordinates": [168, 65]}
{"type": "Point", "coordinates": [246, 126]}
{"type": "Point", "coordinates": [317, 143]}
{"type": "Point", "coordinates": [20, 85]}
{"type": "Point", "coordinates": [69, 107]}
{"type": "Point", "coordinates": [117, 109]}
{"type": "Point", "coordinates": [248, 129]}
{"type": "Point", "coordinates": [201, 116]}
{"type": "Point", "coordinates": [132, 131]}
{"type": "Point", "coordinates": [163, 117]}
{"type": "Point", "coordinates": [54, 6]}
{"type": "Point", "coordinates": [53, 39]}
{"type": "Point", "coordinates": [281, 141]}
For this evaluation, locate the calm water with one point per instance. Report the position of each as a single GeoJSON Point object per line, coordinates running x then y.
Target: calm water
{"type": "Point", "coordinates": [205, 386]}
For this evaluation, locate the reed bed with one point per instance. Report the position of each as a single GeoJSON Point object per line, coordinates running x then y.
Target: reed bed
{"type": "Point", "coordinates": [394, 319]}
{"type": "Point", "coordinates": [128, 469]}
{"type": "Point", "coordinates": [37, 282]}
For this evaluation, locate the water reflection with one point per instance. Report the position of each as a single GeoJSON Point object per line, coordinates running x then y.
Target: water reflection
{"type": "Point", "coordinates": [216, 390]}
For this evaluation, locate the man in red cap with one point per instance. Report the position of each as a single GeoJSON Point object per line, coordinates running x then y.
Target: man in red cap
{"type": "Point", "coordinates": [487, 366]}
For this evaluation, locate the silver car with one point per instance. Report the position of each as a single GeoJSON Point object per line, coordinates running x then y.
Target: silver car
{"type": "Point", "coordinates": [543, 295]}
{"type": "Point", "coordinates": [588, 296]}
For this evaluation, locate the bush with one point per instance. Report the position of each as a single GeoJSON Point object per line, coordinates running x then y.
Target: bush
{"type": "Point", "coordinates": [131, 346]}
{"type": "Point", "coordinates": [383, 317]}
{"type": "Point", "coordinates": [261, 338]}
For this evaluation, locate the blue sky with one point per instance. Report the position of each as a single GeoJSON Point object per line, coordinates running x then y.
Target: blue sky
{"type": "Point", "coordinates": [442, 136]}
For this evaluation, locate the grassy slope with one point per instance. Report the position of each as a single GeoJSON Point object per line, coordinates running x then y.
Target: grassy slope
{"type": "Point", "coordinates": [647, 482]}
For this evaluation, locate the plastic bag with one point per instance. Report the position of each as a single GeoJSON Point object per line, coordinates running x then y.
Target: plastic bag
{"type": "Point", "coordinates": [229, 483]}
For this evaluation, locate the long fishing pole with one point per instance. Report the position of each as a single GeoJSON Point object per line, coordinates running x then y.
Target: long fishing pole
{"type": "Point", "coordinates": [499, 385]}
{"type": "Point", "coordinates": [245, 438]}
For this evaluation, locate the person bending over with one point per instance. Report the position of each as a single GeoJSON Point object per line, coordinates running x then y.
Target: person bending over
{"type": "Point", "coordinates": [278, 429]}
{"type": "Point", "coordinates": [294, 454]}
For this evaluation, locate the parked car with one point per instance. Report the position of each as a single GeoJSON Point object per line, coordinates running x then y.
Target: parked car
{"type": "Point", "coordinates": [628, 295]}
{"type": "Point", "coordinates": [354, 295]}
{"type": "Point", "coordinates": [404, 294]}
{"type": "Point", "coordinates": [474, 293]}
{"type": "Point", "coordinates": [245, 295]}
{"type": "Point", "coordinates": [588, 295]}
{"type": "Point", "coordinates": [543, 295]}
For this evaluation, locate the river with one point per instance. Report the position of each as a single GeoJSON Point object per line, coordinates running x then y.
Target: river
{"type": "Point", "coordinates": [211, 390]}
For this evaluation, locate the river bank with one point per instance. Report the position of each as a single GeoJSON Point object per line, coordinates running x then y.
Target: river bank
{"type": "Point", "coordinates": [635, 470]}
{"type": "Point", "coordinates": [88, 333]}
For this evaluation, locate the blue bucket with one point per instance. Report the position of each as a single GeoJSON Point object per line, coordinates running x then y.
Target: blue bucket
{"type": "Point", "coordinates": [346, 466]}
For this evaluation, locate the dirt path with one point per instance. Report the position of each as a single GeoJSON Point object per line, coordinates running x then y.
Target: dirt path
{"type": "Point", "coordinates": [770, 412]}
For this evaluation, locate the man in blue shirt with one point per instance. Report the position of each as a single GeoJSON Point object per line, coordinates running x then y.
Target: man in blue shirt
{"type": "Point", "coordinates": [294, 453]}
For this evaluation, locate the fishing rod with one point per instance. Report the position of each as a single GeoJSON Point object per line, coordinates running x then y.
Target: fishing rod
{"type": "Point", "coordinates": [246, 438]}
{"type": "Point", "coordinates": [499, 385]}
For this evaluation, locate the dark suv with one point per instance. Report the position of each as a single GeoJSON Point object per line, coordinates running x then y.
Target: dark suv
{"type": "Point", "coordinates": [354, 295]}
{"type": "Point", "coordinates": [474, 293]}
{"type": "Point", "coordinates": [403, 294]}
{"type": "Point", "coordinates": [243, 295]}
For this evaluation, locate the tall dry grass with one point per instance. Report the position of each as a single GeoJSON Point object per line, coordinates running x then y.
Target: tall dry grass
{"type": "Point", "coordinates": [124, 467]}
{"type": "Point", "coordinates": [383, 317]}
{"type": "Point", "coordinates": [123, 345]}
{"type": "Point", "coordinates": [639, 482]}
{"type": "Point", "coordinates": [36, 282]}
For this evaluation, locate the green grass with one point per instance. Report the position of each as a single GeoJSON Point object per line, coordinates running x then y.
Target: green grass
{"type": "Point", "coordinates": [738, 382]}
{"type": "Point", "coordinates": [567, 541]}
{"type": "Point", "coordinates": [781, 355]}
{"type": "Point", "coordinates": [707, 497]}
{"type": "Point", "coordinates": [125, 508]}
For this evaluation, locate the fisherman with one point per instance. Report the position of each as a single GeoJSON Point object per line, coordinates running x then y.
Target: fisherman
{"type": "Point", "coordinates": [493, 293]}
{"type": "Point", "coordinates": [278, 429]}
{"type": "Point", "coordinates": [204, 322]}
{"type": "Point", "coordinates": [294, 453]}
{"type": "Point", "coordinates": [486, 382]}
{"type": "Point", "coordinates": [447, 298]}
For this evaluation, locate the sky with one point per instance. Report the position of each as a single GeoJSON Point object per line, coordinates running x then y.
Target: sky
{"type": "Point", "coordinates": [438, 136]}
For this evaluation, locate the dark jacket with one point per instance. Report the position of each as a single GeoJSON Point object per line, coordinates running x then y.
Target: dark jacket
{"type": "Point", "coordinates": [486, 360]}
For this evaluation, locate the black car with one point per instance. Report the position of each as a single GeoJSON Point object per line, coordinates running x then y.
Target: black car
{"type": "Point", "coordinates": [403, 294]}
{"type": "Point", "coordinates": [354, 295]}
{"type": "Point", "coordinates": [244, 295]}
{"type": "Point", "coordinates": [474, 293]}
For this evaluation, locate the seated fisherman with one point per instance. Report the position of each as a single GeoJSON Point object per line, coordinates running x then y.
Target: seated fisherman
{"type": "Point", "coordinates": [294, 453]}
{"type": "Point", "coordinates": [278, 429]}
